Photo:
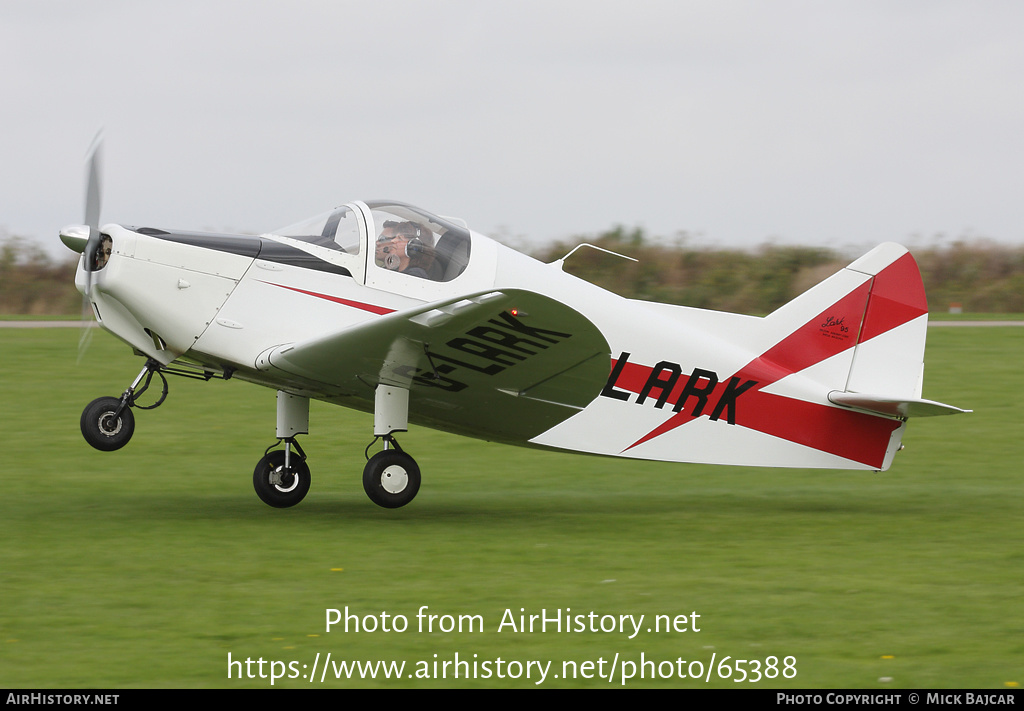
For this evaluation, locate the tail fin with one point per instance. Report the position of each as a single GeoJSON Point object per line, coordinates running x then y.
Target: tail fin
{"type": "Point", "coordinates": [877, 306]}
{"type": "Point", "coordinates": [866, 347]}
{"type": "Point", "coordinates": [888, 363]}
{"type": "Point", "coordinates": [870, 335]}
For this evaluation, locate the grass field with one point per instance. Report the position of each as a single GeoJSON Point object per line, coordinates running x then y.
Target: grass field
{"type": "Point", "coordinates": [149, 566]}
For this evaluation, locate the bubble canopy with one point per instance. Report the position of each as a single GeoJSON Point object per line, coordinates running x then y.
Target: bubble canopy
{"type": "Point", "coordinates": [439, 247]}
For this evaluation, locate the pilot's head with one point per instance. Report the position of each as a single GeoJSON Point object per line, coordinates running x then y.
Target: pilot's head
{"type": "Point", "coordinates": [400, 243]}
{"type": "Point", "coordinates": [102, 255]}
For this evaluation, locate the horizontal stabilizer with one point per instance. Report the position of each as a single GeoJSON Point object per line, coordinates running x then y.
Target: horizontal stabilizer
{"type": "Point", "coordinates": [891, 406]}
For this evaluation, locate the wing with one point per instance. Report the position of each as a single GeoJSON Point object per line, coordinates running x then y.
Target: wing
{"type": "Point", "coordinates": [503, 364]}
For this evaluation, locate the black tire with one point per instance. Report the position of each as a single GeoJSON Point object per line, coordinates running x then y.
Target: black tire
{"type": "Point", "coordinates": [280, 487]}
{"type": "Point", "coordinates": [391, 478]}
{"type": "Point", "coordinates": [104, 431]}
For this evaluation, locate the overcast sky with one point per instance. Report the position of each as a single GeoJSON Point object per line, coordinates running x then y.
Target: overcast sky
{"type": "Point", "coordinates": [831, 123]}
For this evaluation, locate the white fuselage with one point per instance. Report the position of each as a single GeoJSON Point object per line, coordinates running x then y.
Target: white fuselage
{"type": "Point", "coordinates": [684, 384]}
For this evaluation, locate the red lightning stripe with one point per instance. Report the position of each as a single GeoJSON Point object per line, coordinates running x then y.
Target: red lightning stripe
{"type": "Point", "coordinates": [896, 297]}
{"type": "Point", "coordinates": [372, 308]}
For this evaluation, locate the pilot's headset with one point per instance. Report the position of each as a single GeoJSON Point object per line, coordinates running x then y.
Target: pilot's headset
{"type": "Point", "coordinates": [415, 245]}
{"type": "Point", "coordinates": [412, 247]}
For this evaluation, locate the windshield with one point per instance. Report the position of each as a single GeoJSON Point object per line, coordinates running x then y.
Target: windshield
{"type": "Point", "coordinates": [337, 230]}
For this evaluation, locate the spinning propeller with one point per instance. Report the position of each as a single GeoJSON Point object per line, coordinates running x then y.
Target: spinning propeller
{"type": "Point", "coordinates": [85, 239]}
{"type": "Point", "coordinates": [93, 201]}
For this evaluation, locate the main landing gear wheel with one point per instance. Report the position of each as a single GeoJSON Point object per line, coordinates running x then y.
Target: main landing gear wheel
{"type": "Point", "coordinates": [391, 478]}
{"type": "Point", "coordinates": [281, 486]}
{"type": "Point", "coordinates": [103, 427]}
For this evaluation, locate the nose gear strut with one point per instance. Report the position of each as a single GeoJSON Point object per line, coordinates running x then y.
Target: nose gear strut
{"type": "Point", "coordinates": [108, 423]}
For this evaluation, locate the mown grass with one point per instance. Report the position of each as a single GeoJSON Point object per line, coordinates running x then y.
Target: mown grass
{"type": "Point", "coordinates": [149, 566]}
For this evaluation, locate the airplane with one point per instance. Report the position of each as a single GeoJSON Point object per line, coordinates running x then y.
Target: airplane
{"type": "Point", "coordinates": [389, 309]}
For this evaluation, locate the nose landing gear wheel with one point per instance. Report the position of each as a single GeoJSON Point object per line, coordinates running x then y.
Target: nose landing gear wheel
{"type": "Point", "coordinates": [277, 485]}
{"type": "Point", "coordinates": [391, 478]}
{"type": "Point", "coordinates": [103, 428]}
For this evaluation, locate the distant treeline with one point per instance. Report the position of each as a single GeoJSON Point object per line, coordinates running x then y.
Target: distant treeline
{"type": "Point", "coordinates": [33, 283]}
{"type": "Point", "coordinates": [980, 276]}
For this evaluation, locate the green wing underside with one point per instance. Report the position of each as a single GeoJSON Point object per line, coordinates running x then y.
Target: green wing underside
{"type": "Point", "coordinates": [503, 365]}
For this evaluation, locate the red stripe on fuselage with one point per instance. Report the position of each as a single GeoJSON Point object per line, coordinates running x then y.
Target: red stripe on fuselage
{"type": "Point", "coordinates": [372, 308]}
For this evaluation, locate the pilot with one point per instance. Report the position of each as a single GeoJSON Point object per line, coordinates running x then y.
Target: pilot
{"type": "Point", "coordinates": [407, 247]}
{"type": "Point", "coordinates": [102, 255]}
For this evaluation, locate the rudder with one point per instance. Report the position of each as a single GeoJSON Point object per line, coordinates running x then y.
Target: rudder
{"type": "Point", "coordinates": [889, 357]}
